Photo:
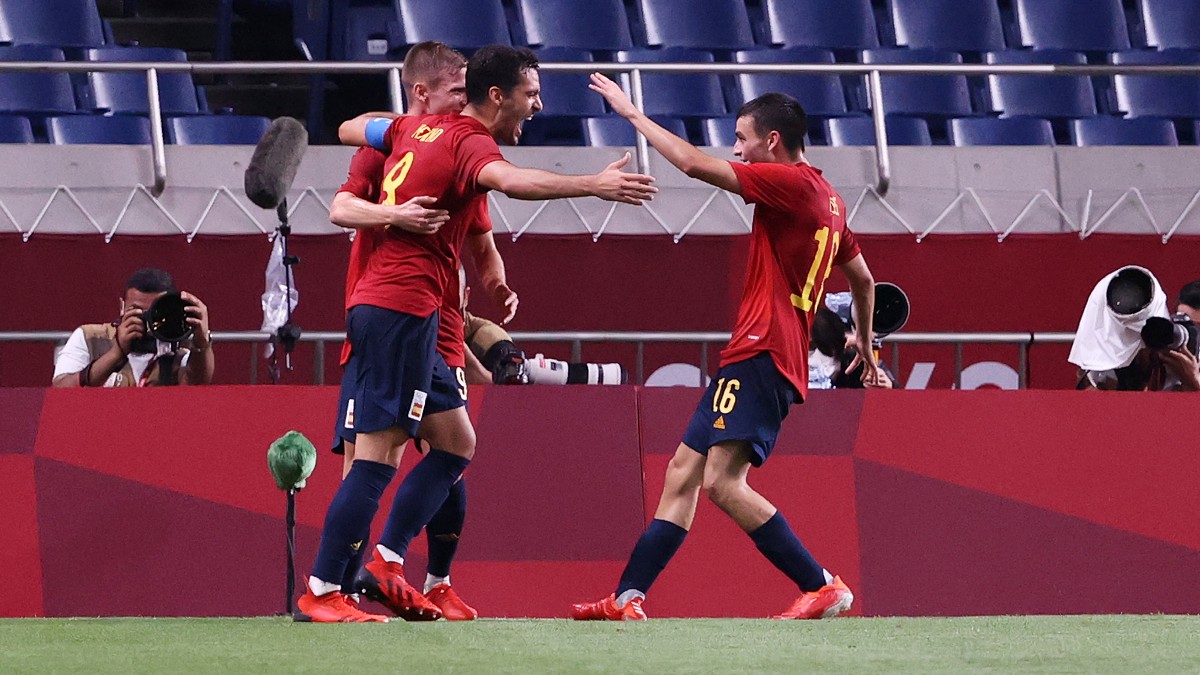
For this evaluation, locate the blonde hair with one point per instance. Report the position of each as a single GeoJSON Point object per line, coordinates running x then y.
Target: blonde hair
{"type": "Point", "coordinates": [430, 61]}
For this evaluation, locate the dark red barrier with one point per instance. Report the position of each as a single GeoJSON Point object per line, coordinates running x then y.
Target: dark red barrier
{"type": "Point", "coordinates": [938, 503]}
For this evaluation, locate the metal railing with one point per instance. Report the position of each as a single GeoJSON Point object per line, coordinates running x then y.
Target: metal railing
{"type": "Point", "coordinates": [873, 72]}
{"type": "Point", "coordinates": [576, 339]}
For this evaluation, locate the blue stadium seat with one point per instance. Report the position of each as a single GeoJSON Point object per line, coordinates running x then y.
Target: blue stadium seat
{"type": "Point", "coordinates": [555, 131]}
{"type": "Point", "coordinates": [686, 95]}
{"type": "Point", "coordinates": [833, 24]}
{"type": "Point", "coordinates": [15, 129]}
{"type": "Point", "coordinates": [1116, 131]}
{"type": "Point", "coordinates": [616, 131]}
{"type": "Point", "coordinates": [465, 24]}
{"type": "Point", "coordinates": [568, 93]}
{"type": "Point", "coordinates": [1055, 97]}
{"type": "Point", "coordinates": [957, 25]}
{"type": "Point", "coordinates": [1083, 25]}
{"type": "Point", "coordinates": [861, 131]}
{"type": "Point", "coordinates": [125, 93]}
{"type": "Point", "coordinates": [35, 93]}
{"type": "Point", "coordinates": [122, 130]}
{"type": "Point", "coordinates": [368, 32]}
{"type": "Point", "coordinates": [216, 129]}
{"type": "Point", "coordinates": [584, 24]}
{"type": "Point", "coordinates": [930, 96]}
{"type": "Point", "coordinates": [1171, 24]}
{"type": "Point", "coordinates": [1157, 95]}
{"type": "Point", "coordinates": [699, 24]}
{"type": "Point", "coordinates": [821, 95]}
{"type": "Point", "coordinates": [61, 23]}
{"type": "Point", "coordinates": [966, 131]}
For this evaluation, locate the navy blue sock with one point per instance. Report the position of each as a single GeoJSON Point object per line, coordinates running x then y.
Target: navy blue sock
{"type": "Point", "coordinates": [420, 496]}
{"type": "Point", "coordinates": [653, 551]}
{"type": "Point", "coordinates": [782, 547]}
{"type": "Point", "coordinates": [354, 565]}
{"type": "Point", "coordinates": [348, 521]}
{"type": "Point", "coordinates": [445, 528]}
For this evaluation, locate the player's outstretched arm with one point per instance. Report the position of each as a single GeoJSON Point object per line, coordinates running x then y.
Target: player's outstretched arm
{"type": "Point", "coordinates": [612, 184]}
{"type": "Point", "coordinates": [685, 156]}
{"type": "Point", "coordinates": [354, 131]}
{"type": "Point", "coordinates": [353, 212]}
{"type": "Point", "coordinates": [862, 290]}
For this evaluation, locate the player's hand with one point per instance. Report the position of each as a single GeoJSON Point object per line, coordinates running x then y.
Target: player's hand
{"type": "Point", "coordinates": [1183, 364]}
{"type": "Point", "coordinates": [197, 318]}
{"type": "Point", "coordinates": [872, 376]}
{"type": "Point", "coordinates": [614, 185]}
{"type": "Point", "coordinates": [612, 92]}
{"type": "Point", "coordinates": [415, 216]}
{"type": "Point", "coordinates": [506, 298]}
{"type": "Point", "coordinates": [130, 328]}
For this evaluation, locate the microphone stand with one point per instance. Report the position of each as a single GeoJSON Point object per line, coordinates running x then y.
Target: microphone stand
{"type": "Point", "coordinates": [289, 333]}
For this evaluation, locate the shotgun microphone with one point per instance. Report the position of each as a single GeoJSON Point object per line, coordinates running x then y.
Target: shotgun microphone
{"type": "Point", "coordinates": [276, 159]}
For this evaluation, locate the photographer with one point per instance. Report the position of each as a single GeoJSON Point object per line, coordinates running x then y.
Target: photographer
{"type": "Point", "coordinates": [1128, 341]}
{"type": "Point", "coordinates": [1189, 301]}
{"type": "Point", "coordinates": [834, 341]}
{"type": "Point", "coordinates": [124, 353]}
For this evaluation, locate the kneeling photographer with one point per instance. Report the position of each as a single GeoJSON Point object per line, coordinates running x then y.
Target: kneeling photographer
{"type": "Point", "coordinates": [833, 344]}
{"type": "Point", "coordinates": [1128, 340]}
{"type": "Point", "coordinates": [161, 338]}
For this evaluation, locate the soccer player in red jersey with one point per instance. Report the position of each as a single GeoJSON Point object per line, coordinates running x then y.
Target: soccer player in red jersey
{"type": "Point", "coordinates": [434, 77]}
{"type": "Point", "coordinates": [393, 317]}
{"type": "Point", "coordinates": [799, 233]}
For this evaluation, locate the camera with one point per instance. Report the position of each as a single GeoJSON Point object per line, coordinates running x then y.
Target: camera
{"type": "Point", "coordinates": [1173, 333]}
{"type": "Point", "coordinates": [166, 320]}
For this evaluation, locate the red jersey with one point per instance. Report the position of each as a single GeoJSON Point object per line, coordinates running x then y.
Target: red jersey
{"type": "Point", "coordinates": [365, 177]}
{"type": "Point", "coordinates": [434, 155]}
{"type": "Point", "coordinates": [799, 234]}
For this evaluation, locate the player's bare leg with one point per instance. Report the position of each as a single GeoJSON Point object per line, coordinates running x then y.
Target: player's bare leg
{"type": "Point", "coordinates": [725, 474]}
{"type": "Point", "coordinates": [662, 538]}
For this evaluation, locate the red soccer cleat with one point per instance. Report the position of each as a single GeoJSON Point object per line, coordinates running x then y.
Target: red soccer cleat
{"type": "Point", "coordinates": [824, 603]}
{"type": "Point", "coordinates": [332, 608]}
{"type": "Point", "coordinates": [607, 610]}
{"type": "Point", "coordinates": [383, 582]}
{"type": "Point", "coordinates": [452, 606]}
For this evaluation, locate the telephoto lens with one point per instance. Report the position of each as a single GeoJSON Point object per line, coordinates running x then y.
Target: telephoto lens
{"type": "Point", "coordinates": [166, 319]}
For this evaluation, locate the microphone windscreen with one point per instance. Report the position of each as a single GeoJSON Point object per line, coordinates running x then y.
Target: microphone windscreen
{"type": "Point", "coordinates": [276, 159]}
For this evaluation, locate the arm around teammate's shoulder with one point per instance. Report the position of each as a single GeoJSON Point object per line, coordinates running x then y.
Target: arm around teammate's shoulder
{"type": "Point", "coordinates": [354, 131]}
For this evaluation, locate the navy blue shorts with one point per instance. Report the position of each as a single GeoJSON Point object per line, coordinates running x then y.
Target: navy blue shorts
{"type": "Point", "coordinates": [389, 378]}
{"type": "Point", "coordinates": [746, 401]}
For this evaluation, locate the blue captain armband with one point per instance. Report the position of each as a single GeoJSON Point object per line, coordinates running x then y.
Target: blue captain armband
{"type": "Point", "coordinates": [377, 132]}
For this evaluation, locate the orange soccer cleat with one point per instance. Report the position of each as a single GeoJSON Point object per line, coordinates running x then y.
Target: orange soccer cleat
{"type": "Point", "coordinates": [452, 606]}
{"type": "Point", "coordinates": [384, 582]}
{"type": "Point", "coordinates": [607, 610]}
{"type": "Point", "coordinates": [824, 603]}
{"type": "Point", "coordinates": [332, 608]}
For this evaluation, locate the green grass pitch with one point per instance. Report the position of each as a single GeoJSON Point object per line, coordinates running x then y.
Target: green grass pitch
{"type": "Point", "coordinates": [1059, 644]}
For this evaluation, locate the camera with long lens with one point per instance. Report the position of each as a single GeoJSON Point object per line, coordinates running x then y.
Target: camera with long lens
{"type": "Point", "coordinates": [1173, 333]}
{"type": "Point", "coordinates": [166, 320]}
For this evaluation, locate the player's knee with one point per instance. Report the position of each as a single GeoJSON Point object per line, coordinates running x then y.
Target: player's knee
{"type": "Point", "coordinates": [720, 490]}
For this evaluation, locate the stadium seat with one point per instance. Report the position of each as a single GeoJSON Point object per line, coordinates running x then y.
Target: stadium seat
{"type": "Point", "coordinates": [568, 93]}
{"type": "Point", "coordinates": [35, 93]}
{"type": "Point", "coordinates": [1116, 131]}
{"type": "Point", "coordinates": [930, 96]}
{"type": "Point", "coordinates": [583, 24]}
{"type": "Point", "coordinates": [1171, 24]}
{"type": "Point", "coordinates": [369, 32]}
{"type": "Point", "coordinates": [832, 24]}
{"type": "Point", "coordinates": [15, 129]}
{"type": "Point", "coordinates": [821, 95]}
{"type": "Point", "coordinates": [699, 24]}
{"type": "Point", "coordinates": [966, 131]}
{"type": "Point", "coordinates": [696, 95]}
{"type": "Point", "coordinates": [120, 130]}
{"type": "Point", "coordinates": [125, 93]}
{"type": "Point", "coordinates": [216, 129]}
{"type": "Point", "coordinates": [1055, 96]}
{"type": "Point", "coordinates": [465, 24]}
{"type": "Point", "coordinates": [1157, 95]}
{"type": "Point", "coordinates": [554, 131]}
{"type": "Point", "coordinates": [1083, 25]}
{"type": "Point", "coordinates": [61, 23]}
{"type": "Point", "coordinates": [861, 131]}
{"type": "Point", "coordinates": [958, 25]}
{"type": "Point", "coordinates": [615, 131]}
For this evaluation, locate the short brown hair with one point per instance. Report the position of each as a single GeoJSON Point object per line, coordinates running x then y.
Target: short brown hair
{"type": "Point", "coordinates": [429, 62]}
